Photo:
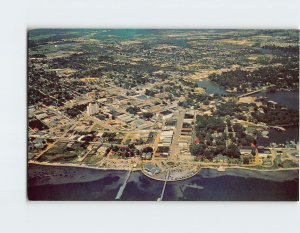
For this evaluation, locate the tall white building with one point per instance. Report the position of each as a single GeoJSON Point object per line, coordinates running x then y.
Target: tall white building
{"type": "Point", "coordinates": [92, 109]}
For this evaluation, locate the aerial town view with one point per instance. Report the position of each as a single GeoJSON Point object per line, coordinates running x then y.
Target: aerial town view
{"type": "Point", "coordinates": [163, 115]}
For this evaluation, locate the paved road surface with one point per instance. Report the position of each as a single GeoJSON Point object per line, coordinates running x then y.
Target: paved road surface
{"type": "Point", "coordinates": [174, 146]}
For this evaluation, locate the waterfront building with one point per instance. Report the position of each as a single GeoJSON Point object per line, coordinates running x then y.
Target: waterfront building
{"type": "Point", "coordinates": [150, 168]}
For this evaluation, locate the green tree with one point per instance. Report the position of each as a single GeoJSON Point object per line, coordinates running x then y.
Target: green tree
{"type": "Point", "coordinates": [246, 160]}
{"type": "Point", "coordinates": [232, 151]}
{"type": "Point", "coordinates": [208, 154]}
{"type": "Point", "coordinates": [147, 115]}
{"type": "Point", "coordinates": [197, 149]}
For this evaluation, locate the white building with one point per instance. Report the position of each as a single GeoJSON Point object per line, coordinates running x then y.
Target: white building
{"type": "Point", "coordinates": [166, 138]}
{"type": "Point", "coordinates": [92, 109]}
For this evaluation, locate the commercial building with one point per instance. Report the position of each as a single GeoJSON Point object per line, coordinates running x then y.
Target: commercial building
{"type": "Point", "coordinates": [166, 137]}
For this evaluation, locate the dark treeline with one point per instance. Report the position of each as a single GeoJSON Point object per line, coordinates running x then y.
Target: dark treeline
{"type": "Point", "coordinates": [210, 138]}
{"type": "Point", "coordinates": [242, 80]}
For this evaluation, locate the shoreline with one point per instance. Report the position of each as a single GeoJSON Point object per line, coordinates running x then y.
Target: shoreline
{"type": "Point", "coordinates": [281, 174]}
{"type": "Point", "coordinates": [237, 93]}
{"type": "Point", "coordinates": [140, 169]}
{"type": "Point", "coordinates": [81, 166]}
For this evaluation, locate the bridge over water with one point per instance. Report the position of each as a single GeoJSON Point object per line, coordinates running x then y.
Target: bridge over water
{"type": "Point", "coordinates": [256, 91]}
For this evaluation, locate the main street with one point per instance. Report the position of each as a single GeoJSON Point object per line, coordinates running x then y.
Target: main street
{"type": "Point", "coordinates": [174, 146]}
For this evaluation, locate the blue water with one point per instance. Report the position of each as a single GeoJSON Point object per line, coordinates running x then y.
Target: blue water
{"type": "Point", "coordinates": [142, 188]}
{"type": "Point", "coordinates": [289, 99]}
{"type": "Point", "coordinates": [102, 190]}
{"type": "Point", "coordinates": [232, 188]}
{"type": "Point", "coordinates": [280, 137]}
{"type": "Point", "coordinates": [104, 186]}
{"type": "Point", "coordinates": [211, 88]}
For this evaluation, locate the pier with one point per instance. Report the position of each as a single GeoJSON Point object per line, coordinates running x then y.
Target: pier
{"type": "Point", "coordinates": [163, 190]}
{"type": "Point", "coordinates": [121, 190]}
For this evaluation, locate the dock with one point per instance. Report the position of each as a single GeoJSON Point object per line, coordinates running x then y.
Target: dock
{"type": "Point", "coordinates": [163, 190]}
{"type": "Point", "coordinates": [121, 190]}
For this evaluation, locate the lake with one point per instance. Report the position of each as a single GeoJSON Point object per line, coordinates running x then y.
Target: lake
{"type": "Point", "coordinates": [211, 88]}
{"type": "Point", "coordinates": [280, 137]}
{"type": "Point", "coordinates": [289, 99]}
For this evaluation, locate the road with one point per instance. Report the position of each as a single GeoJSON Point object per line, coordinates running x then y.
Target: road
{"type": "Point", "coordinates": [156, 141]}
{"type": "Point", "coordinates": [36, 157]}
{"type": "Point", "coordinates": [174, 146]}
{"type": "Point", "coordinates": [256, 91]}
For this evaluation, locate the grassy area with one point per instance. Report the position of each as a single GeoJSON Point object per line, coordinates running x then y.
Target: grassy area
{"type": "Point", "coordinates": [63, 153]}
{"type": "Point", "coordinates": [93, 159]}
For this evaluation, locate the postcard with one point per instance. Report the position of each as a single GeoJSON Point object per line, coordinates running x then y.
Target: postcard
{"type": "Point", "coordinates": [163, 115]}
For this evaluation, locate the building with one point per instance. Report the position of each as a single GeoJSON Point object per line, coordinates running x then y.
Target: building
{"type": "Point", "coordinates": [162, 151]}
{"type": "Point", "coordinates": [166, 137]}
{"type": "Point", "coordinates": [151, 169]}
{"type": "Point", "coordinates": [92, 109]}
{"type": "Point", "coordinates": [147, 155]}
{"type": "Point", "coordinates": [189, 116]}
{"type": "Point", "coordinates": [187, 129]}
{"type": "Point", "coordinates": [166, 114]}
{"type": "Point", "coordinates": [170, 124]}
